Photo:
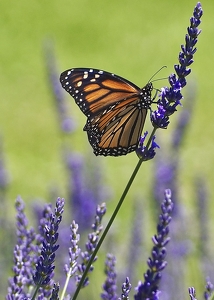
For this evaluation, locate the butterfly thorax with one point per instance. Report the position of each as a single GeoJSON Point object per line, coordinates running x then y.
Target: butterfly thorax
{"type": "Point", "coordinates": [146, 96]}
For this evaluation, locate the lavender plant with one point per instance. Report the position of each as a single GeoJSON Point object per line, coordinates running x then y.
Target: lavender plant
{"type": "Point", "coordinates": [149, 289]}
{"type": "Point", "coordinates": [126, 288]}
{"type": "Point", "coordinates": [208, 294]}
{"type": "Point", "coordinates": [20, 283]}
{"type": "Point", "coordinates": [109, 287]}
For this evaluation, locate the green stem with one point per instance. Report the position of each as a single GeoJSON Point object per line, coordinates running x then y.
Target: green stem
{"type": "Point", "coordinates": [66, 284]}
{"type": "Point", "coordinates": [113, 217]}
{"type": "Point", "coordinates": [36, 291]}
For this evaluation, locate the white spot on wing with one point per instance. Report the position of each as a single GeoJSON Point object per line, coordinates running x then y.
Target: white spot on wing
{"type": "Point", "coordinates": [85, 75]}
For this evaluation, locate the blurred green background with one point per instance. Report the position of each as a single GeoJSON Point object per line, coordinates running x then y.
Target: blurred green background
{"type": "Point", "coordinates": [130, 38]}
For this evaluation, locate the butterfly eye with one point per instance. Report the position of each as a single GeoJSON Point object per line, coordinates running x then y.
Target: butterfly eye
{"type": "Point", "coordinates": [116, 108]}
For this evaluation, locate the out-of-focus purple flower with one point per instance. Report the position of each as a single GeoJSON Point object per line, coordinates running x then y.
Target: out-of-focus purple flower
{"type": "Point", "coordinates": [202, 205]}
{"type": "Point", "coordinates": [192, 293]}
{"type": "Point", "coordinates": [167, 166]}
{"type": "Point", "coordinates": [91, 244]}
{"type": "Point", "coordinates": [126, 288]}
{"type": "Point", "coordinates": [44, 220]}
{"type": "Point", "coordinates": [142, 150]}
{"type": "Point", "coordinates": [149, 289]}
{"type": "Point", "coordinates": [135, 244]}
{"type": "Point", "coordinates": [165, 176]}
{"type": "Point", "coordinates": [184, 118]}
{"type": "Point", "coordinates": [67, 123]}
{"type": "Point", "coordinates": [85, 191]}
{"type": "Point", "coordinates": [82, 207]}
{"type": "Point", "coordinates": [109, 287]}
{"type": "Point", "coordinates": [208, 294]}
{"type": "Point", "coordinates": [4, 178]}
{"type": "Point", "coordinates": [170, 97]}
{"type": "Point", "coordinates": [44, 266]}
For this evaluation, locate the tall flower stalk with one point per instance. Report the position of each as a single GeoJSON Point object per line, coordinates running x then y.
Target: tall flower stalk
{"type": "Point", "coordinates": [149, 289]}
{"type": "Point", "coordinates": [44, 265]}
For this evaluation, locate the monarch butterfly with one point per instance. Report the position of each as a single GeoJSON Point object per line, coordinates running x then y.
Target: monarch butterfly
{"type": "Point", "coordinates": [115, 108]}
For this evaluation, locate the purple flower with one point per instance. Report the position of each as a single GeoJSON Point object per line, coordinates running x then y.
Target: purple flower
{"type": "Point", "coordinates": [4, 178]}
{"type": "Point", "coordinates": [109, 286]}
{"type": "Point", "coordinates": [149, 288]}
{"type": "Point", "coordinates": [170, 97]}
{"type": "Point", "coordinates": [143, 152]}
{"type": "Point", "coordinates": [183, 119]}
{"type": "Point", "coordinates": [166, 172]}
{"type": "Point", "coordinates": [208, 294]}
{"type": "Point", "coordinates": [21, 281]}
{"type": "Point", "coordinates": [192, 293]}
{"type": "Point", "coordinates": [55, 292]}
{"type": "Point", "coordinates": [84, 191]}
{"type": "Point", "coordinates": [44, 220]}
{"type": "Point", "coordinates": [44, 266]}
{"type": "Point", "coordinates": [202, 205]}
{"type": "Point", "coordinates": [74, 250]}
{"type": "Point", "coordinates": [126, 288]}
{"type": "Point", "coordinates": [80, 196]}
{"type": "Point", "coordinates": [91, 244]}
{"type": "Point", "coordinates": [67, 123]}
{"type": "Point", "coordinates": [136, 237]}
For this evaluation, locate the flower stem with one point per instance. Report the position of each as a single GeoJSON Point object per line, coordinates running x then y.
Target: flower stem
{"type": "Point", "coordinates": [113, 216]}
{"type": "Point", "coordinates": [66, 284]}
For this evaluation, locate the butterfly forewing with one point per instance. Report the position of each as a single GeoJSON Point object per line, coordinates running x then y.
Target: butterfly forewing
{"type": "Point", "coordinates": [94, 90]}
{"type": "Point", "coordinates": [115, 108]}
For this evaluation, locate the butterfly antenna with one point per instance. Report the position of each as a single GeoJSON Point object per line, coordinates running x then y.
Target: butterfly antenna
{"type": "Point", "coordinates": [156, 74]}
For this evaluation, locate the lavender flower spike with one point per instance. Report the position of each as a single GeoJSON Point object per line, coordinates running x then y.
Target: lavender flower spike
{"type": "Point", "coordinates": [93, 239]}
{"type": "Point", "coordinates": [109, 286]}
{"type": "Point", "coordinates": [208, 294]}
{"type": "Point", "coordinates": [192, 293]}
{"type": "Point", "coordinates": [74, 250]}
{"type": "Point", "coordinates": [22, 282]}
{"type": "Point", "coordinates": [126, 288]}
{"type": "Point", "coordinates": [55, 292]}
{"type": "Point", "coordinates": [44, 266]}
{"type": "Point", "coordinates": [149, 288]}
{"type": "Point", "coordinates": [142, 150]}
{"type": "Point", "coordinates": [170, 97]}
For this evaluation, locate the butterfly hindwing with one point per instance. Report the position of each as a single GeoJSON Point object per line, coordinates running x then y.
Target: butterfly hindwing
{"type": "Point", "coordinates": [117, 130]}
